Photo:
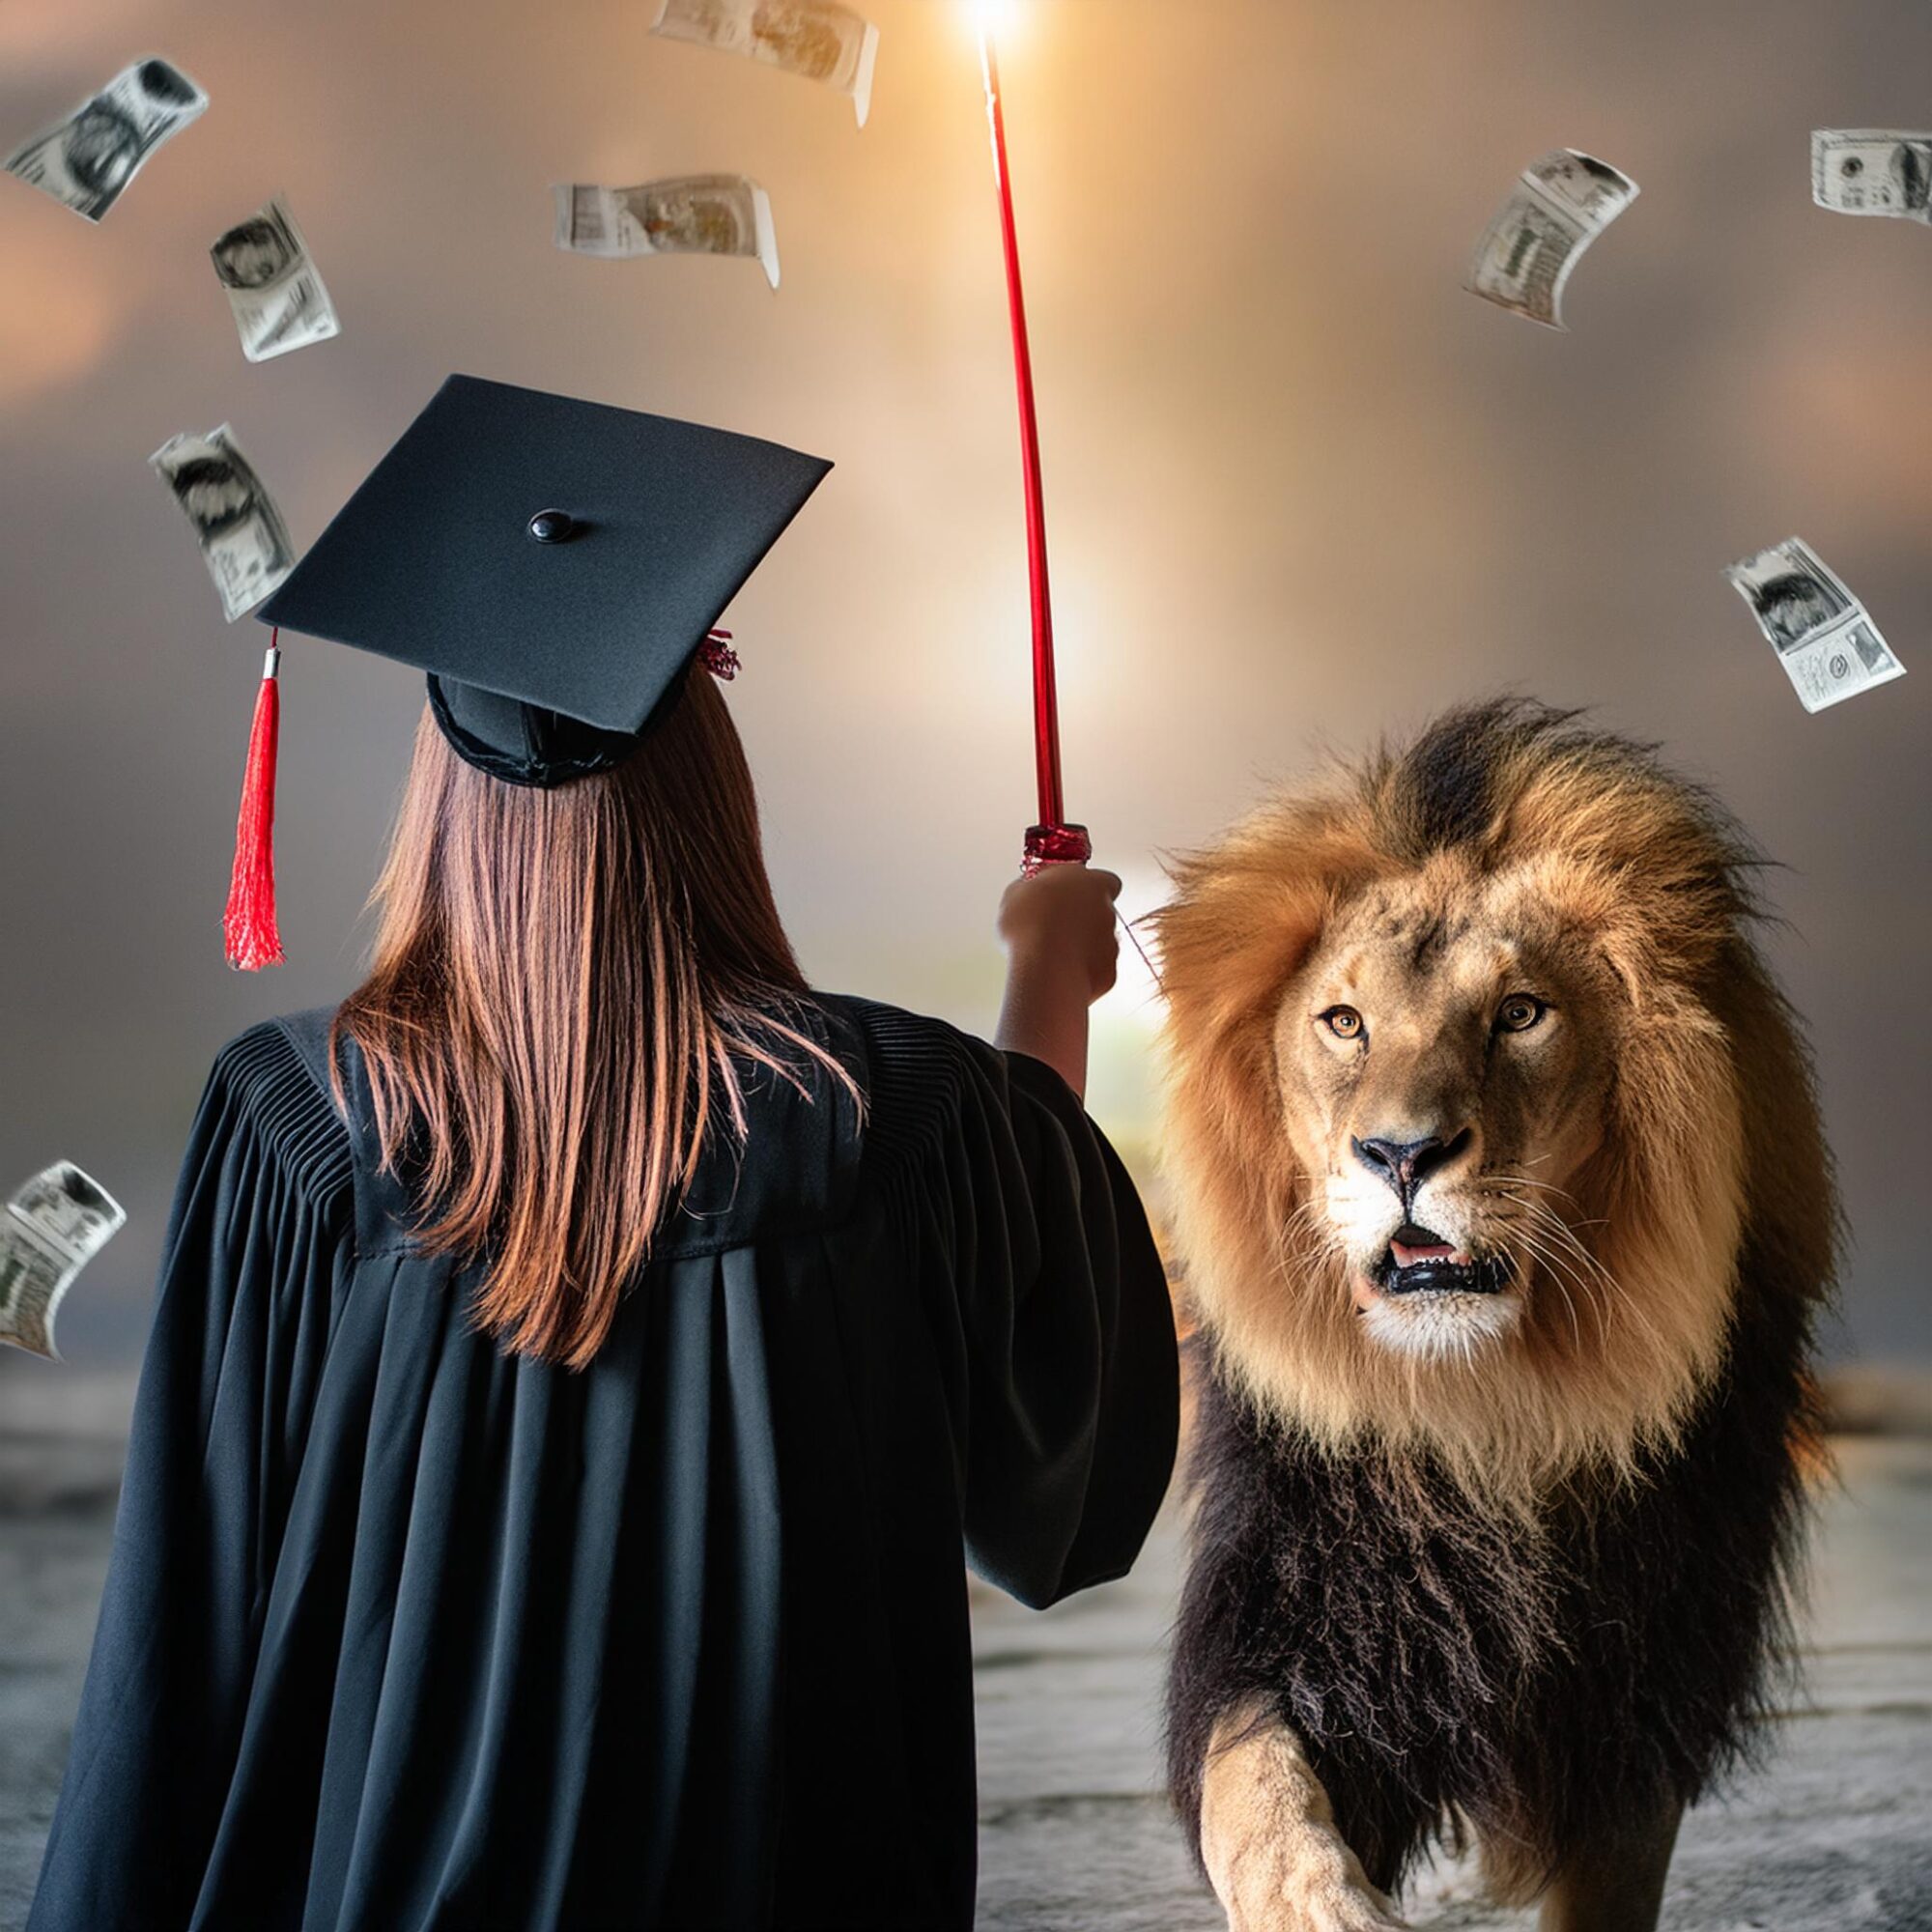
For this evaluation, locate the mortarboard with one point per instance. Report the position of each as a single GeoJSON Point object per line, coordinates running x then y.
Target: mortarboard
{"type": "Point", "coordinates": [554, 565]}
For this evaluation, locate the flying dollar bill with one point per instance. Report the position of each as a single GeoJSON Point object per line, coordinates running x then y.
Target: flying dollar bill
{"type": "Point", "coordinates": [55, 1224]}
{"type": "Point", "coordinates": [1560, 204]}
{"type": "Point", "coordinates": [1830, 649]}
{"type": "Point", "coordinates": [93, 154]}
{"type": "Point", "coordinates": [692, 215]}
{"type": "Point", "coordinates": [235, 521]}
{"type": "Point", "coordinates": [1872, 171]}
{"type": "Point", "coordinates": [277, 297]}
{"type": "Point", "coordinates": [816, 38]}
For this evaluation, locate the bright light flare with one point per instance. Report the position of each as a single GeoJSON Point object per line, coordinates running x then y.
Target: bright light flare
{"type": "Point", "coordinates": [994, 18]}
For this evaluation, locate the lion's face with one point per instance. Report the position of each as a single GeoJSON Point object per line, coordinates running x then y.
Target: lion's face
{"type": "Point", "coordinates": [1477, 1090]}
{"type": "Point", "coordinates": [1442, 1065]}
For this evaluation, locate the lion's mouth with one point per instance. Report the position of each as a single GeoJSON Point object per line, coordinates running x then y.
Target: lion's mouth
{"type": "Point", "coordinates": [1420, 1262]}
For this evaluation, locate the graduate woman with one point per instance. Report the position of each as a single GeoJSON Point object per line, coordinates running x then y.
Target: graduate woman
{"type": "Point", "coordinates": [582, 1359]}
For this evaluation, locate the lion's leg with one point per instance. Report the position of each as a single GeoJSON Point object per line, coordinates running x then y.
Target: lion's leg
{"type": "Point", "coordinates": [1618, 1885]}
{"type": "Point", "coordinates": [1268, 1838]}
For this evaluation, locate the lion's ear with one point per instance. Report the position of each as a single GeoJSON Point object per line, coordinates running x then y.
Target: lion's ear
{"type": "Point", "coordinates": [1226, 954]}
{"type": "Point", "coordinates": [1246, 913]}
{"type": "Point", "coordinates": [1660, 936]}
{"type": "Point", "coordinates": [1648, 868]}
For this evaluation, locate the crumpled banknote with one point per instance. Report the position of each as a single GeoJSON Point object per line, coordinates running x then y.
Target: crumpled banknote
{"type": "Point", "coordinates": [689, 214]}
{"type": "Point", "coordinates": [243, 540]}
{"type": "Point", "coordinates": [88, 160]}
{"type": "Point", "coordinates": [1830, 648]}
{"type": "Point", "coordinates": [273, 286]}
{"type": "Point", "coordinates": [1872, 171]}
{"type": "Point", "coordinates": [818, 38]}
{"type": "Point", "coordinates": [54, 1225]}
{"type": "Point", "coordinates": [1560, 204]}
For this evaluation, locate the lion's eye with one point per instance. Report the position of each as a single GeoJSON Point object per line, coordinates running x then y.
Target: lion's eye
{"type": "Point", "coordinates": [1344, 1022]}
{"type": "Point", "coordinates": [1519, 1012]}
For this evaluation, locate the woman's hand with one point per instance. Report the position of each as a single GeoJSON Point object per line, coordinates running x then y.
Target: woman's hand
{"type": "Point", "coordinates": [1059, 924]}
{"type": "Point", "coordinates": [1058, 927]}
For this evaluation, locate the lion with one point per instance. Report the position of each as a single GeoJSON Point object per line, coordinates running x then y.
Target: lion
{"type": "Point", "coordinates": [1506, 1214]}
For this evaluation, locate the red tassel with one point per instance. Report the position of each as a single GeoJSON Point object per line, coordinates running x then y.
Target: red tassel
{"type": "Point", "coordinates": [248, 925]}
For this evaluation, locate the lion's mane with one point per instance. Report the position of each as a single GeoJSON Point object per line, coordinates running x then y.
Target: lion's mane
{"type": "Point", "coordinates": [1552, 1592]}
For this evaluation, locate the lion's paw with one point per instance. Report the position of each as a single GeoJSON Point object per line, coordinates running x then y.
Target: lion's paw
{"type": "Point", "coordinates": [1357, 1912]}
{"type": "Point", "coordinates": [1354, 1910]}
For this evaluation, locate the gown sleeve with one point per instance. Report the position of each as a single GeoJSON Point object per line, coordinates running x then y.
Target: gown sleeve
{"type": "Point", "coordinates": [259, 1245]}
{"type": "Point", "coordinates": [1050, 1296]}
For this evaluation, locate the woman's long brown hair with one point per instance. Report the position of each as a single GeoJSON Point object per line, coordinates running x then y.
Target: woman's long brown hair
{"type": "Point", "coordinates": [565, 987]}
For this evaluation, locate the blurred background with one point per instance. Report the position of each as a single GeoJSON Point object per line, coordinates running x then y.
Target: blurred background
{"type": "Point", "coordinates": [1301, 487]}
{"type": "Point", "coordinates": [1303, 491]}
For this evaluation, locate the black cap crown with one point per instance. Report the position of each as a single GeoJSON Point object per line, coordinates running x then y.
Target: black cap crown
{"type": "Point", "coordinates": [553, 564]}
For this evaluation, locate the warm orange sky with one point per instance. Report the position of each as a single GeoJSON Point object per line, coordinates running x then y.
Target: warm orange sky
{"type": "Point", "coordinates": [1299, 485]}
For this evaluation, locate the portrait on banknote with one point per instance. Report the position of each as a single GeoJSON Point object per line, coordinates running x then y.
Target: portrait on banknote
{"type": "Point", "coordinates": [1792, 607]}
{"type": "Point", "coordinates": [1912, 174]}
{"type": "Point", "coordinates": [253, 253]}
{"type": "Point", "coordinates": [219, 493]}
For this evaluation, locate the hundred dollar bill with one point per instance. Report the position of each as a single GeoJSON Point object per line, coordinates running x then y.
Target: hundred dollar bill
{"type": "Point", "coordinates": [815, 37]}
{"type": "Point", "coordinates": [235, 521]}
{"type": "Point", "coordinates": [55, 1224]}
{"type": "Point", "coordinates": [273, 286]}
{"type": "Point", "coordinates": [1828, 645]}
{"type": "Point", "coordinates": [98, 148]}
{"type": "Point", "coordinates": [692, 215]}
{"type": "Point", "coordinates": [1872, 171]}
{"type": "Point", "coordinates": [1560, 204]}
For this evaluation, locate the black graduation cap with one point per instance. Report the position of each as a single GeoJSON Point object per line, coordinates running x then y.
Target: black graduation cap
{"type": "Point", "coordinates": [554, 565]}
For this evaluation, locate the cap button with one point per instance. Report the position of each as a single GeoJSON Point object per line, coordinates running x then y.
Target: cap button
{"type": "Point", "coordinates": [553, 526]}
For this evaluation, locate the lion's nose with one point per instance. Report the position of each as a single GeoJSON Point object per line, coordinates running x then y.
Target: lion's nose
{"type": "Point", "coordinates": [1407, 1164]}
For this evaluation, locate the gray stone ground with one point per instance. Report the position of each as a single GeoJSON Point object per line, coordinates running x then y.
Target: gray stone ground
{"type": "Point", "coordinates": [1834, 1837]}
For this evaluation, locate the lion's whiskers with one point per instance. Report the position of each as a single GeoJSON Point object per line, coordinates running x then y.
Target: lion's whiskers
{"type": "Point", "coordinates": [1307, 1253]}
{"type": "Point", "coordinates": [1589, 1271]}
{"type": "Point", "coordinates": [1545, 1187]}
{"type": "Point", "coordinates": [1537, 1252]}
{"type": "Point", "coordinates": [1537, 1217]}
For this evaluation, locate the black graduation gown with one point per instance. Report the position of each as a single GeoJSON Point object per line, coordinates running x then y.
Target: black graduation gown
{"type": "Point", "coordinates": [401, 1632]}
